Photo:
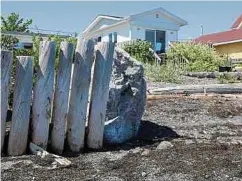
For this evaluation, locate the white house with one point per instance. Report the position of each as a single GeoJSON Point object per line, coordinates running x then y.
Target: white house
{"type": "Point", "coordinates": [26, 38]}
{"type": "Point", "coordinates": [157, 26]}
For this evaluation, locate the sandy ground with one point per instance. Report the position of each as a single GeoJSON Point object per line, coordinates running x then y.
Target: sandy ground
{"type": "Point", "coordinates": [180, 139]}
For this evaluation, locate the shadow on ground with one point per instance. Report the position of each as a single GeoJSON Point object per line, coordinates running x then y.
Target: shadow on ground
{"type": "Point", "coordinates": [149, 134]}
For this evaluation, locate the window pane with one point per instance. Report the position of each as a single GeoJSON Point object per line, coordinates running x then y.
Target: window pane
{"type": "Point", "coordinates": [150, 36]}
{"type": "Point", "coordinates": [160, 41]}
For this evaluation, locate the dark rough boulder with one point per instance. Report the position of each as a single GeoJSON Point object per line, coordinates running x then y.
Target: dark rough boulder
{"type": "Point", "coordinates": [127, 98]}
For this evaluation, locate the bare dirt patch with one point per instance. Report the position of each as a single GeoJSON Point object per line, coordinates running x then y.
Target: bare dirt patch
{"type": "Point", "coordinates": [206, 134]}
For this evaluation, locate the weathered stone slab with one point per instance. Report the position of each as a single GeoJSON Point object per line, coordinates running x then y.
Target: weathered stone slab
{"type": "Point", "coordinates": [127, 98]}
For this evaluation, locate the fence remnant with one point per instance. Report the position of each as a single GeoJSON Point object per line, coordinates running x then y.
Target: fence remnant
{"type": "Point", "coordinates": [76, 85]}
{"type": "Point", "coordinates": [79, 94]}
{"type": "Point", "coordinates": [6, 63]}
{"type": "Point", "coordinates": [43, 94]}
{"type": "Point", "coordinates": [21, 106]}
{"type": "Point", "coordinates": [99, 96]}
{"type": "Point", "coordinates": [61, 97]}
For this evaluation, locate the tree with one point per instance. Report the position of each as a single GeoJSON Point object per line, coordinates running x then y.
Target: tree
{"type": "Point", "coordinates": [12, 23]}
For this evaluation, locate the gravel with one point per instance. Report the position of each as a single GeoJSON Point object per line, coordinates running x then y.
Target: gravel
{"type": "Point", "coordinates": [206, 135]}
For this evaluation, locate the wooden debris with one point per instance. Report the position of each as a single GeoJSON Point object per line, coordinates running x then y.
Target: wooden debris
{"type": "Point", "coordinates": [191, 89]}
{"type": "Point", "coordinates": [34, 149]}
{"type": "Point", "coordinates": [193, 96]}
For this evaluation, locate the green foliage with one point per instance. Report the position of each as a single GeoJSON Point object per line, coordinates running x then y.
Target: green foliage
{"type": "Point", "coordinates": [35, 53]}
{"type": "Point", "coordinates": [201, 57]}
{"type": "Point", "coordinates": [162, 73]}
{"type": "Point", "coordinates": [14, 23]}
{"type": "Point", "coordinates": [140, 50]}
{"type": "Point", "coordinates": [36, 43]}
{"type": "Point", "coordinates": [8, 42]}
{"type": "Point", "coordinates": [58, 41]}
{"type": "Point", "coordinates": [227, 78]}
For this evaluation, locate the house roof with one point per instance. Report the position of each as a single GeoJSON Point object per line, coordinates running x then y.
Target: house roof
{"type": "Point", "coordinates": [225, 37]}
{"type": "Point", "coordinates": [99, 18]}
{"type": "Point", "coordinates": [119, 19]}
{"type": "Point", "coordinates": [104, 15]}
{"type": "Point", "coordinates": [221, 37]}
{"type": "Point", "coordinates": [237, 23]}
{"type": "Point", "coordinates": [168, 14]}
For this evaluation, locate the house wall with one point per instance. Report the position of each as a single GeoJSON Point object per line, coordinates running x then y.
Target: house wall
{"type": "Point", "coordinates": [234, 50]}
{"type": "Point", "coordinates": [138, 32]}
{"type": "Point", "coordinates": [171, 36]}
{"type": "Point", "coordinates": [153, 21]}
{"type": "Point", "coordinates": [136, 26]}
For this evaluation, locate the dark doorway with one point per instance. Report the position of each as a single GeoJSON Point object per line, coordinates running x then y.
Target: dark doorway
{"type": "Point", "coordinates": [158, 40]}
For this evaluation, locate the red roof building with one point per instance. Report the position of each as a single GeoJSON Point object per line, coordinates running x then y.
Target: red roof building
{"type": "Point", "coordinates": [232, 35]}
{"type": "Point", "coordinates": [237, 23]}
{"type": "Point", "coordinates": [227, 42]}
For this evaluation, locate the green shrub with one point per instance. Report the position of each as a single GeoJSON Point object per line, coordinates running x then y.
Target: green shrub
{"type": "Point", "coordinates": [162, 73]}
{"type": "Point", "coordinates": [227, 78]}
{"type": "Point", "coordinates": [8, 42]}
{"type": "Point", "coordinates": [140, 50]}
{"type": "Point", "coordinates": [201, 57]}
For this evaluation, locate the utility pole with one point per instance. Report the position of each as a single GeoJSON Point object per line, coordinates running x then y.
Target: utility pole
{"type": "Point", "coordinates": [201, 26]}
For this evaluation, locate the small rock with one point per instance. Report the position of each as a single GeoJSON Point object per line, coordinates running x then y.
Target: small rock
{"type": "Point", "coordinates": [234, 142]}
{"type": "Point", "coordinates": [206, 176]}
{"type": "Point", "coordinates": [239, 142]}
{"type": "Point", "coordinates": [143, 174]}
{"type": "Point", "coordinates": [164, 145]}
{"type": "Point", "coordinates": [145, 152]}
{"type": "Point", "coordinates": [204, 132]}
{"type": "Point", "coordinates": [136, 150]}
{"type": "Point", "coordinates": [188, 142]}
{"type": "Point", "coordinates": [232, 134]}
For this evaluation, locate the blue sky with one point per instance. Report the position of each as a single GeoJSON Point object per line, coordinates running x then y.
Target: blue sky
{"type": "Point", "coordinates": [75, 16]}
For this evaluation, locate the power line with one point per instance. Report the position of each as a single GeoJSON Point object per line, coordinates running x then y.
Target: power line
{"type": "Point", "coordinates": [54, 31]}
